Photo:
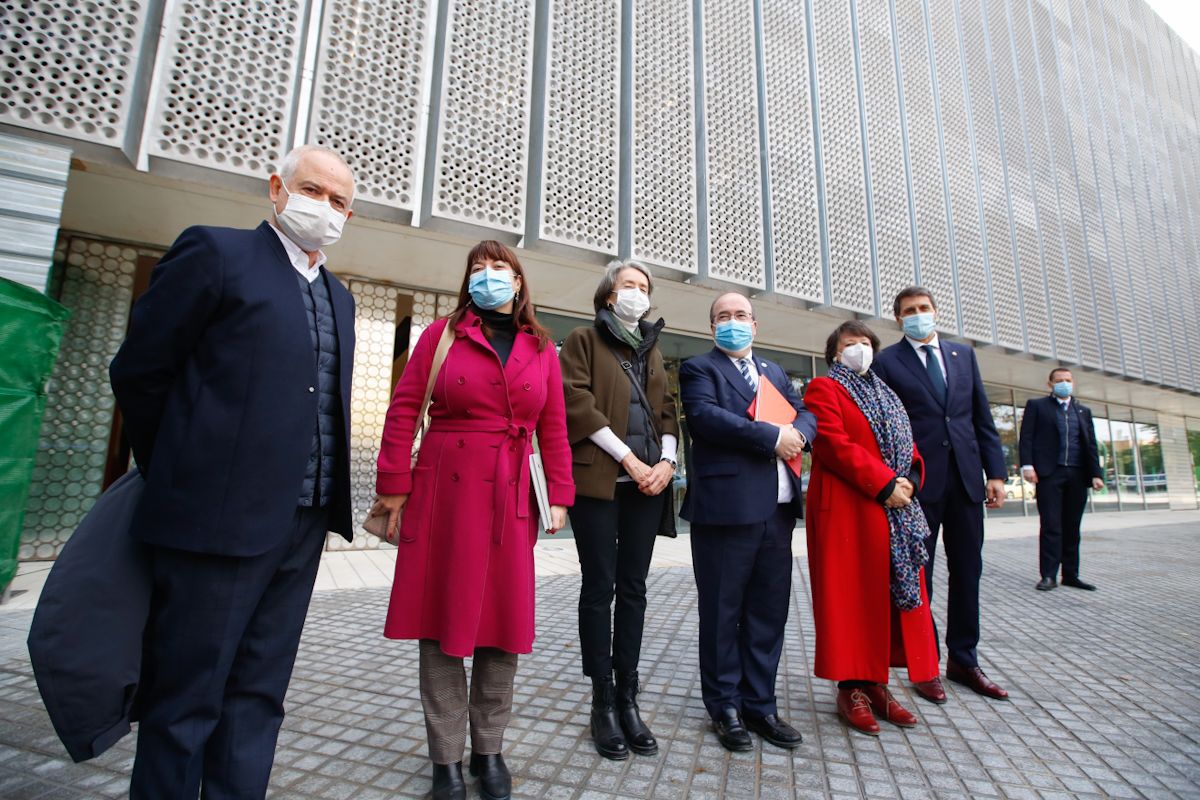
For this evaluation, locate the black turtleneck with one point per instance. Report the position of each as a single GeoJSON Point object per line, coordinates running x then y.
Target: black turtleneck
{"type": "Point", "coordinates": [500, 328]}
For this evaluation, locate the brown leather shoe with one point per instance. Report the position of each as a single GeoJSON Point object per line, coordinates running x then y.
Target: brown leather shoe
{"type": "Point", "coordinates": [854, 706]}
{"type": "Point", "coordinates": [931, 690]}
{"type": "Point", "coordinates": [883, 704]}
{"type": "Point", "coordinates": [975, 680]}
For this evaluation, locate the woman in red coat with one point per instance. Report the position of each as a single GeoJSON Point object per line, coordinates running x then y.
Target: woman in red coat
{"type": "Point", "coordinates": [464, 581]}
{"type": "Point", "coordinates": [866, 536]}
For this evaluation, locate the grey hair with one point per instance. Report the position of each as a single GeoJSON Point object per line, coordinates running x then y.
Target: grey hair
{"type": "Point", "coordinates": [609, 280]}
{"type": "Point", "coordinates": [287, 167]}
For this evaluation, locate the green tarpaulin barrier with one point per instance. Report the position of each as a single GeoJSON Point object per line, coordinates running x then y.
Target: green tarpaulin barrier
{"type": "Point", "coordinates": [31, 328]}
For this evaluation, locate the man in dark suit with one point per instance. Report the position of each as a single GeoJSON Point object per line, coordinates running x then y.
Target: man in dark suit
{"type": "Point", "coordinates": [942, 390]}
{"type": "Point", "coordinates": [234, 384]}
{"type": "Point", "coordinates": [742, 501]}
{"type": "Point", "coordinates": [1059, 455]}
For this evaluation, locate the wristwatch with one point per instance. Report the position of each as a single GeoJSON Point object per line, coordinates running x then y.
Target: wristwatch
{"type": "Point", "coordinates": [674, 464]}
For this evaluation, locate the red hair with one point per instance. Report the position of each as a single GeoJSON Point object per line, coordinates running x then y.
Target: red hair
{"type": "Point", "coordinates": [490, 249]}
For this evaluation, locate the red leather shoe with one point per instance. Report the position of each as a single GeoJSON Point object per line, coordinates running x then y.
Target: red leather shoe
{"type": "Point", "coordinates": [975, 680]}
{"type": "Point", "coordinates": [854, 706]}
{"type": "Point", "coordinates": [883, 704]}
{"type": "Point", "coordinates": [933, 691]}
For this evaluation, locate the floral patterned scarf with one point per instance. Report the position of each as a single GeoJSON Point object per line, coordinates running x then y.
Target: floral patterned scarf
{"type": "Point", "coordinates": [893, 433]}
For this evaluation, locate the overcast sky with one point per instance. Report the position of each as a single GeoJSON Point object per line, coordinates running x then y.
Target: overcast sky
{"type": "Point", "coordinates": [1183, 16]}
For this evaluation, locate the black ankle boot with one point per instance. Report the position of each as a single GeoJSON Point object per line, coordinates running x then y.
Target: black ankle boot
{"type": "Point", "coordinates": [606, 729]}
{"type": "Point", "coordinates": [637, 735]}
{"type": "Point", "coordinates": [495, 781]}
{"type": "Point", "coordinates": [448, 783]}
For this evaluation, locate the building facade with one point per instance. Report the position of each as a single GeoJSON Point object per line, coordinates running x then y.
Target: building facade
{"type": "Point", "coordinates": [1035, 163]}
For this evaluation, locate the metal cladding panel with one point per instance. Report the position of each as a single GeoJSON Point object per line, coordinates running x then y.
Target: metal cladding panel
{"type": "Point", "coordinates": [482, 151]}
{"type": "Point", "coordinates": [665, 212]}
{"type": "Point", "coordinates": [1043, 174]}
{"type": "Point", "coordinates": [989, 161]}
{"type": "Point", "coordinates": [225, 84]}
{"type": "Point", "coordinates": [1061, 151]}
{"type": "Point", "coordinates": [736, 251]}
{"type": "Point", "coordinates": [1007, 35]}
{"type": "Point", "coordinates": [1130, 109]}
{"type": "Point", "coordinates": [795, 221]}
{"type": "Point", "coordinates": [368, 93]}
{"type": "Point", "coordinates": [33, 181]}
{"type": "Point", "coordinates": [925, 156]}
{"type": "Point", "coordinates": [1146, 105]}
{"type": "Point", "coordinates": [581, 156]}
{"type": "Point", "coordinates": [1085, 174]}
{"type": "Point", "coordinates": [885, 148]}
{"type": "Point", "coordinates": [68, 67]}
{"type": "Point", "coordinates": [973, 301]}
{"type": "Point", "coordinates": [1097, 95]}
{"type": "Point", "coordinates": [846, 222]}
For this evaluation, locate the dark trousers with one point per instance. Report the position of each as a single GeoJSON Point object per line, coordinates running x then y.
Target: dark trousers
{"type": "Point", "coordinates": [744, 592]}
{"type": "Point", "coordinates": [1061, 498]}
{"type": "Point", "coordinates": [220, 647]}
{"type": "Point", "coordinates": [962, 520]}
{"type": "Point", "coordinates": [615, 540]}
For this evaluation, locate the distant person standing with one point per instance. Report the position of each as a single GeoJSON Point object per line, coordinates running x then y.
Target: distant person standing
{"type": "Point", "coordinates": [942, 390]}
{"type": "Point", "coordinates": [1059, 455]}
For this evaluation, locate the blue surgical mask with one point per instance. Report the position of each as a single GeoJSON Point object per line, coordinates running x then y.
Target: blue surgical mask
{"type": "Point", "coordinates": [918, 326]}
{"type": "Point", "coordinates": [733, 336]}
{"type": "Point", "coordinates": [1062, 389]}
{"type": "Point", "coordinates": [491, 288]}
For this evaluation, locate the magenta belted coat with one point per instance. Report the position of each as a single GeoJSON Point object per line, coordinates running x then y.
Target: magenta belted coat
{"type": "Point", "coordinates": [464, 564]}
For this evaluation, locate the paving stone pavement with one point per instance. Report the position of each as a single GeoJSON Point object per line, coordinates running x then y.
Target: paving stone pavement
{"type": "Point", "coordinates": [1105, 691]}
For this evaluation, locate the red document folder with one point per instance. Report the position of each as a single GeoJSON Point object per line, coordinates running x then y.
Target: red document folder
{"type": "Point", "coordinates": [769, 405]}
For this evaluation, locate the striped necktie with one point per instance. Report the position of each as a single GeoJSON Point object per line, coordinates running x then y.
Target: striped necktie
{"type": "Point", "coordinates": [744, 366]}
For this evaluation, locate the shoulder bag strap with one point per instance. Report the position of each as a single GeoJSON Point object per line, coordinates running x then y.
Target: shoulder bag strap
{"type": "Point", "coordinates": [627, 366]}
{"type": "Point", "coordinates": [439, 358]}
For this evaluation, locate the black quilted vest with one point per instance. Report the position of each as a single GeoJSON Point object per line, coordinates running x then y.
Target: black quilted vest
{"type": "Point", "coordinates": [317, 487]}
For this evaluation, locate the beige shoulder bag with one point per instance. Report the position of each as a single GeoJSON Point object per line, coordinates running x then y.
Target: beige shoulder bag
{"type": "Point", "coordinates": [377, 525]}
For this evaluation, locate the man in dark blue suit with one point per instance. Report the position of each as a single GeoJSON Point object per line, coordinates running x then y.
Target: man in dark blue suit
{"type": "Point", "coordinates": [742, 501]}
{"type": "Point", "coordinates": [1059, 455]}
{"type": "Point", "coordinates": [234, 385]}
{"type": "Point", "coordinates": [942, 390]}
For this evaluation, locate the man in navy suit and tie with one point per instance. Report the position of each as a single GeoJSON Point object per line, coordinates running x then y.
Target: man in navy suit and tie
{"type": "Point", "coordinates": [942, 390]}
{"type": "Point", "coordinates": [742, 501]}
{"type": "Point", "coordinates": [1059, 455]}
{"type": "Point", "coordinates": [234, 385]}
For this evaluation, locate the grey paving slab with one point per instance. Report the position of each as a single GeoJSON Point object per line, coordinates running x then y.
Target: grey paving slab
{"type": "Point", "coordinates": [1105, 700]}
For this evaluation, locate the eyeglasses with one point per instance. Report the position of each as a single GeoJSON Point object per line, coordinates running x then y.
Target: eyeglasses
{"type": "Point", "coordinates": [740, 316]}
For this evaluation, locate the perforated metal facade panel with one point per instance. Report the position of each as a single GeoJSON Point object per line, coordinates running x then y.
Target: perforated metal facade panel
{"type": "Point", "coordinates": [925, 156]}
{"type": "Point", "coordinates": [892, 222]}
{"type": "Point", "coordinates": [851, 278]}
{"type": "Point", "coordinates": [736, 250]}
{"type": "Point", "coordinates": [1001, 275]}
{"type": "Point", "coordinates": [580, 160]}
{"type": "Point", "coordinates": [1027, 237]}
{"type": "Point", "coordinates": [795, 220]}
{"type": "Point", "coordinates": [1085, 173]}
{"type": "Point", "coordinates": [1044, 177]}
{"type": "Point", "coordinates": [368, 92]}
{"type": "Point", "coordinates": [483, 137]}
{"type": "Point", "coordinates": [974, 304]}
{"type": "Point", "coordinates": [226, 77]}
{"type": "Point", "coordinates": [664, 135]}
{"type": "Point", "coordinates": [56, 75]}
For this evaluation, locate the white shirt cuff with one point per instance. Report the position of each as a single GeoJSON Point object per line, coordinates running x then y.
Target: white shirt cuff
{"type": "Point", "coordinates": [610, 443]}
{"type": "Point", "coordinates": [670, 447]}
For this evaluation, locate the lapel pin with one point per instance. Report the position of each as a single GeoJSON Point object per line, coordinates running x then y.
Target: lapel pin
{"type": "Point", "coordinates": [953, 353]}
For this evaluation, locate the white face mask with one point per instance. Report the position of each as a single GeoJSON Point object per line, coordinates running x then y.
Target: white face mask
{"type": "Point", "coordinates": [858, 357]}
{"type": "Point", "coordinates": [631, 304]}
{"type": "Point", "coordinates": [310, 223]}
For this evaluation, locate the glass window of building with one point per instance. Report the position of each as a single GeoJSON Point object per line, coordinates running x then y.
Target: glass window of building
{"type": "Point", "coordinates": [1150, 459]}
{"type": "Point", "coordinates": [1007, 419]}
{"type": "Point", "coordinates": [1108, 498]}
{"type": "Point", "coordinates": [1125, 458]}
{"type": "Point", "coordinates": [1193, 438]}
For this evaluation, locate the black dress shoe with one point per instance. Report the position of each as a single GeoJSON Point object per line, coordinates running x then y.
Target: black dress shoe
{"type": "Point", "coordinates": [495, 781]}
{"type": "Point", "coordinates": [775, 731]}
{"type": "Point", "coordinates": [1046, 584]}
{"type": "Point", "coordinates": [731, 732]}
{"type": "Point", "coordinates": [1078, 584]}
{"type": "Point", "coordinates": [448, 783]}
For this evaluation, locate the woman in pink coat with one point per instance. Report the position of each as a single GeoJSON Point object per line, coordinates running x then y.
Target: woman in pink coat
{"type": "Point", "coordinates": [464, 581]}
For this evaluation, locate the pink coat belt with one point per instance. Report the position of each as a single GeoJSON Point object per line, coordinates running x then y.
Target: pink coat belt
{"type": "Point", "coordinates": [512, 465]}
